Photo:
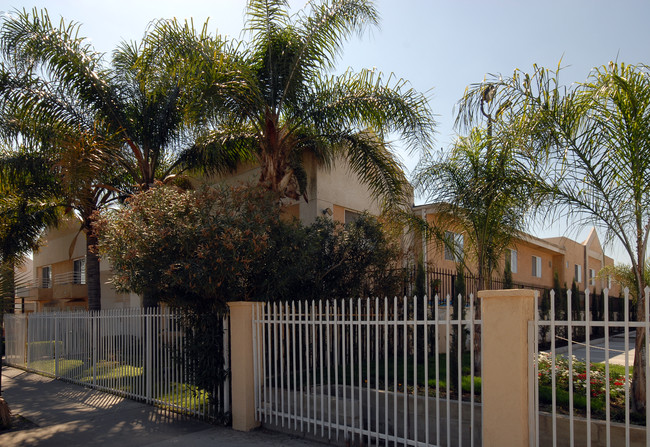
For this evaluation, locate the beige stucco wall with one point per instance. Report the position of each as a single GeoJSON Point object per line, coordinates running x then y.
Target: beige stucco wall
{"type": "Point", "coordinates": [326, 188]}
{"type": "Point", "coordinates": [59, 251]}
{"type": "Point", "coordinates": [58, 242]}
{"type": "Point", "coordinates": [340, 186]}
{"type": "Point", "coordinates": [525, 252]}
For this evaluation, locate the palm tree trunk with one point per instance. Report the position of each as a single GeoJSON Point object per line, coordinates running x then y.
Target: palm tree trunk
{"type": "Point", "coordinates": [639, 374]}
{"type": "Point", "coordinates": [93, 280]}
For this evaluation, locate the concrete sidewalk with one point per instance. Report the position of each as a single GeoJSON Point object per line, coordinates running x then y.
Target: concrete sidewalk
{"type": "Point", "coordinates": [71, 415]}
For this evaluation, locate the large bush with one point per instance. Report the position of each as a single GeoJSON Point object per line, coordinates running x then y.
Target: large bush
{"type": "Point", "coordinates": [327, 259]}
{"type": "Point", "coordinates": [188, 248]}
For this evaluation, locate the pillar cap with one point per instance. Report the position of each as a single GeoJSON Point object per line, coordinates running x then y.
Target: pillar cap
{"type": "Point", "coordinates": [506, 293]}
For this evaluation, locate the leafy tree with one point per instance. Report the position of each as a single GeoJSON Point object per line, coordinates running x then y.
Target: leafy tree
{"type": "Point", "coordinates": [287, 105]}
{"type": "Point", "coordinates": [590, 143]}
{"type": "Point", "coordinates": [194, 248]}
{"type": "Point", "coordinates": [327, 259]}
{"type": "Point", "coordinates": [625, 276]}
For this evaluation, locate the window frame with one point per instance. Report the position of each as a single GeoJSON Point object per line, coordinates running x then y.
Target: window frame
{"type": "Point", "coordinates": [80, 277]}
{"type": "Point", "coordinates": [459, 246]}
{"type": "Point", "coordinates": [513, 260]}
{"type": "Point", "coordinates": [353, 216]}
{"type": "Point", "coordinates": [536, 270]}
{"type": "Point", "coordinates": [46, 280]}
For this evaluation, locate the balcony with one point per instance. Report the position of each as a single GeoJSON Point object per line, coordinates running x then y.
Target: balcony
{"type": "Point", "coordinates": [66, 278]}
{"type": "Point", "coordinates": [69, 285]}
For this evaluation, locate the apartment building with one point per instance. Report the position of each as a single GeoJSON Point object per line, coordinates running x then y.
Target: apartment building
{"type": "Point", "coordinates": [335, 192]}
{"type": "Point", "coordinates": [533, 261]}
{"type": "Point", "coordinates": [58, 267]}
{"type": "Point", "coordinates": [58, 275]}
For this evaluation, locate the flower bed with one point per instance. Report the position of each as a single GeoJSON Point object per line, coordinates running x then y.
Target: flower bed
{"type": "Point", "coordinates": [598, 382]}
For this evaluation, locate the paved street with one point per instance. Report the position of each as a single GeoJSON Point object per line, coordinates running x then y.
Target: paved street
{"type": "Point", "coordinates": [598, 354]}
{"type": "Point", "coordinates": [70, 415]}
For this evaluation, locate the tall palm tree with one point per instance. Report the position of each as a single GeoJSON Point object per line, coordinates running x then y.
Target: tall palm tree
{"type": "Point", "coordinates": [589, 145]}
{"type": "Point", "coordinates": [284, 104]}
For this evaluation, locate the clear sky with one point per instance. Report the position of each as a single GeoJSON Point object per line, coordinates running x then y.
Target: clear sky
{"type": "Point", "coordinates": [440, 46]}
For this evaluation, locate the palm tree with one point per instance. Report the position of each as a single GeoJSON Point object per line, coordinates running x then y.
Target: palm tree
{"type": "Point", "coordinates": [284, 104]}
{"type": "Point", "coordinates": [480, 192]}
{"type": "Point", "coordinates": [148, 105]}
{"type": "Point", "coordinates": [114, 130]}
{"type": "Point", "coordinates": [590, 143]}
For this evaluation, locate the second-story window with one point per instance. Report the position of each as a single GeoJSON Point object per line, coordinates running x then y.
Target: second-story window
{"type": "Point", "coordinates": [79, 269]}
{"type": "Point", "coordinates": [592, 277]}
{"type": "Point", "coordinates": [537, 267]}
{"type": "Point", "coordinates": [46, 277]}
{"type": "Point", "coordinates": [511, 256]}
{"type": "Point", "coordinates": [454, 244]}
{"type": "Point", "coordinates": [578, 274]}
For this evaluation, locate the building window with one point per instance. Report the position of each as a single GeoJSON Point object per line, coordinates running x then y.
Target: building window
{"type": "Point", "coordinates": [79, 271]}
{"type": "Point", "coordinates": [537, 267]}
{"type": "Point", "coordinates": [511, 256]}
{"type": "Point", "coordinates": [592, 277]}
{"type": "Point", "coordinates": [578, 274]}
{"type": "Point", "coordinates": [351, 216]}
{"type": "Point", "coordinates": [454, 244]}
{"type": "Point", "coordinates": [46, 277]}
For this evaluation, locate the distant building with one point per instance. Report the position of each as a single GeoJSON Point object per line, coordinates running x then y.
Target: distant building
{"type": "Point", "coordinates": [533, 261]}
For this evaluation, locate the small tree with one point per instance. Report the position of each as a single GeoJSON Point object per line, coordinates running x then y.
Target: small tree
{"type": "Point", "coordinates": [188, 248]}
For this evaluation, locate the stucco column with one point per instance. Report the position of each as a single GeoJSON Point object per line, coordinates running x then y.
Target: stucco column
{"type": "Point", "coordinates": [241, 365]}
{"type": "Point", "coordinates": [505, 315]}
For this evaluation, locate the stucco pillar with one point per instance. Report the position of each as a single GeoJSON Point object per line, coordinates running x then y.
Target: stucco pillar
{"type": "Point", "coordinates": [241, 365]}
{"type": "Point", "coordinates": [505, 315]}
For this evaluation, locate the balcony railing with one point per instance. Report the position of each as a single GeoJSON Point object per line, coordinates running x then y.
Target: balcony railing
{"type": "Point", "coordinates": [69, 278]}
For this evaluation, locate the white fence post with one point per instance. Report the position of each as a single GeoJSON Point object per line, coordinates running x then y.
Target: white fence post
{"type": "Point", "coordinates": [148, 365]}
{"type": "Point", "coordinates": [505, 315]}
{"type": "Point", "coordinates": [56, 350]}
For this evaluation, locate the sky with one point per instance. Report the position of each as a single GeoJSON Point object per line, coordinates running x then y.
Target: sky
{"type": "Point", "coordinates": [439, 46]}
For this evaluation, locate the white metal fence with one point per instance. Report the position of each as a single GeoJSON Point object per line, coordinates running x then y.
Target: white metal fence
{"type": "Point", "coordinates": [371, 371]}
{"type": "Point", "coordinates": [137, 353]}
{"type": "Point", "coordinates": [583, 391]}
